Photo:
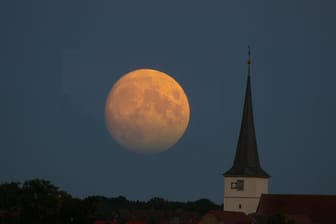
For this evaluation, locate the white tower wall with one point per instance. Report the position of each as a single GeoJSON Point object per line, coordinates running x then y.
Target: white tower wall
{"type": "Point", "coordinates": [243, 193]}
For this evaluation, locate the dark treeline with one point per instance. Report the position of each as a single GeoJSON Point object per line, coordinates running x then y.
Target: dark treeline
{"type": "Point", "coordinates": [39, 201]}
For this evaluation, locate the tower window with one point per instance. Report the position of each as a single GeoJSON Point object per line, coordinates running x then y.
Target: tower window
{"type": "Point", "coordinates": [239, 206]}
{"type": "Point", "coordinates": [239, 185]}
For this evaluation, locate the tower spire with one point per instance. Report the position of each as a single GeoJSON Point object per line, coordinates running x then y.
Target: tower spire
{"type": "Point", "coordinates": [246, 180]}
{"type": "Point", "coordinates": [246, 162]}
{"type": "Point", "coordinates": [249, 61]}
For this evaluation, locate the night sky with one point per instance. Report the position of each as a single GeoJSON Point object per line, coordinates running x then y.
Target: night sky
{"type": "Point", "coordinates": [59, 59]}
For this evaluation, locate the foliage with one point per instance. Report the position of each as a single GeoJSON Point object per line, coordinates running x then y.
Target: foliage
{"type": "Point", "coordinates": [39, 201]}
{"type": "Point", "coordinates": [10, 194]}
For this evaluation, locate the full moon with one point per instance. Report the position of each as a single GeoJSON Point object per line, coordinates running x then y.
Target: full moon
{"type": "Point", "coordinates": [147, 111]}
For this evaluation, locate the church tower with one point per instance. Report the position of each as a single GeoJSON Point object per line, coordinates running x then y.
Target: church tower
{"type": "Point", "coordinates": [246, 180]}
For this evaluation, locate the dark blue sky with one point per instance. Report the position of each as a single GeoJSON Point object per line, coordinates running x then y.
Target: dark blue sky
{"type": "Point", "coordinates": [59, 59]}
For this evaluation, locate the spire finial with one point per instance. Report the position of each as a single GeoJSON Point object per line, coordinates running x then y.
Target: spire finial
{"type": "Point", "coordinates": [249, 60]}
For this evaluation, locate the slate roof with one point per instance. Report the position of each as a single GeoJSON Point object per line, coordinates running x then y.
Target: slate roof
{"type": "Point", "coordinates": [319, 208]}
{"type": "Point", "coordinates": [231, 217]}
{"type": "Point", "coordinates": [246, 162]}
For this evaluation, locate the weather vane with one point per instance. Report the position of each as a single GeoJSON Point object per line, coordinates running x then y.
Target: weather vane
{"type": "Point", "coordinates": [249, 60]}
{"type": "Point", "coordinates": [249, 55]}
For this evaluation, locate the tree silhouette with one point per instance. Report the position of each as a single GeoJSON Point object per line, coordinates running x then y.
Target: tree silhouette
{"type": "Point", "coordinates": [10, 194]}
{"type": "Point", "coordinates": [39, 201]}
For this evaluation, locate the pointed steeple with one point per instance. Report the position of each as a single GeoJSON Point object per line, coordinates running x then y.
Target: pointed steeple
{"type": "Point", "coordinates": [246, 162]}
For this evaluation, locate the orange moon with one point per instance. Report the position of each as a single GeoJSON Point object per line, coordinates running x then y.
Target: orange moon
{"type": "Point", "coordinates": [147, 111]}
